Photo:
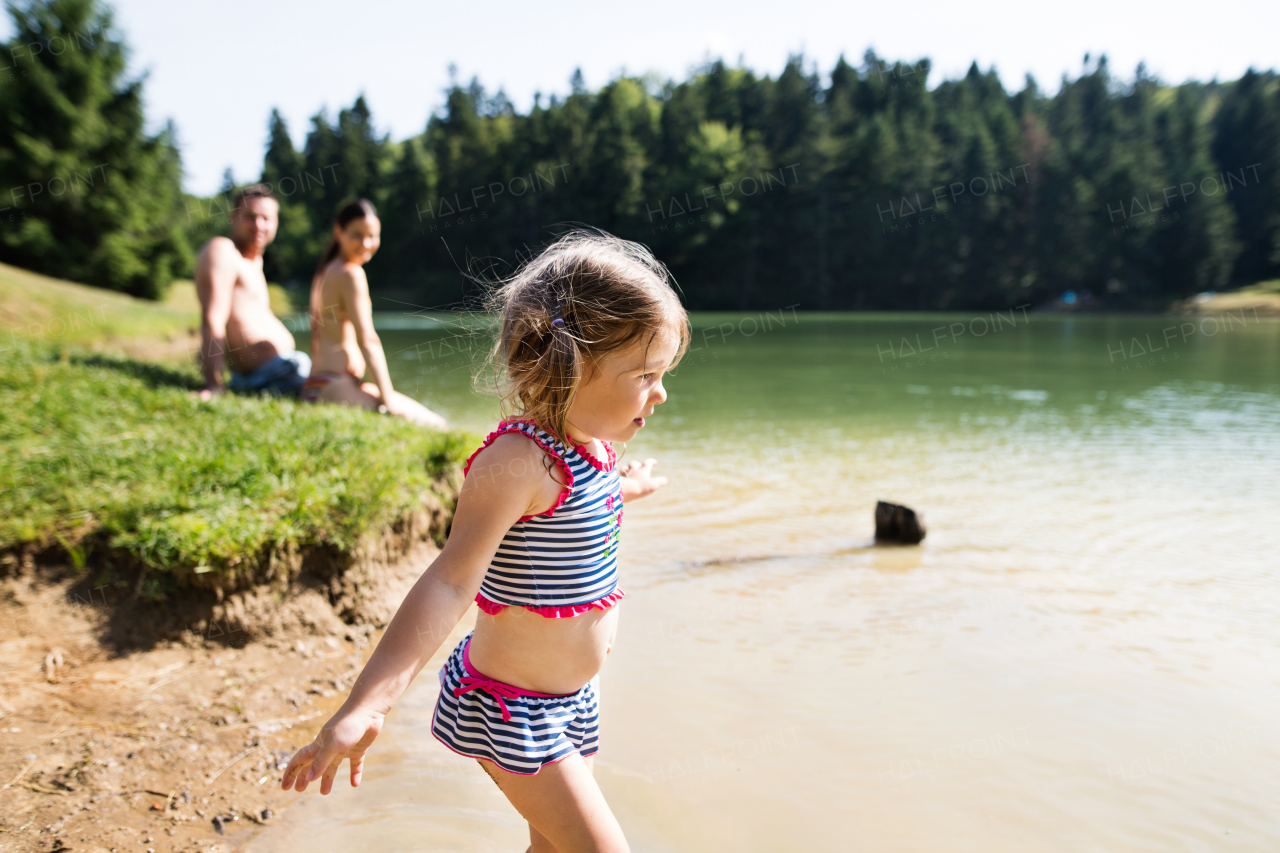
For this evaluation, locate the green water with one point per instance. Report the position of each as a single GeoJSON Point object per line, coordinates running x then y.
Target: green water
{"type": "Point", "coordinates": [884, 370]}
{"type": "Point", "coordinates": [1083, 654]}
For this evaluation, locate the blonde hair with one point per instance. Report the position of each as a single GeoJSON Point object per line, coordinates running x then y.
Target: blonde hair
{"type": "Point", "coordinates": [587, 294]}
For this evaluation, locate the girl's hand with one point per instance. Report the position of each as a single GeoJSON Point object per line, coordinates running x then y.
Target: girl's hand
{"type": "Point", "coordinates": [348, 734]}
{"type": "Point", "coordinates": [638, 480]}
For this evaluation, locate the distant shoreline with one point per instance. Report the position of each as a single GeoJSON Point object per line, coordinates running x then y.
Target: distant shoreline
{"type": "Point", "coordinates": [1261, 299]}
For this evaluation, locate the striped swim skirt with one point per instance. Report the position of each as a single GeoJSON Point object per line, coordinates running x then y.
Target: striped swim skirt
{"type": "Point", "coordinates": [518, 730]}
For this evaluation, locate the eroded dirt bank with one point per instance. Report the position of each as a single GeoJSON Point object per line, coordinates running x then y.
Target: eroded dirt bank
{"type": "Point", "coordinates": [171, 745]}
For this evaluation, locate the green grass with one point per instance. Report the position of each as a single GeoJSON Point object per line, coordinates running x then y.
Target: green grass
{"type": "Point", "coordinates": [112, 462]}
{"type": "Point", "coordinates": [40, 310]}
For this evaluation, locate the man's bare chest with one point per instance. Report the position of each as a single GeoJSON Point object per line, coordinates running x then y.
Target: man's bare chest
{"type": "Point", "coordinates": [250, 291]}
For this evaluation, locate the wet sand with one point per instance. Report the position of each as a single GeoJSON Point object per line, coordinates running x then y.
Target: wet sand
{"type": "Point", "coordinates": [179, 747]}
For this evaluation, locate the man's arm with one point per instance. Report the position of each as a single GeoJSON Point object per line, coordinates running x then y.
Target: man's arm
{"type": "Point", "coordinates": [216, 275]}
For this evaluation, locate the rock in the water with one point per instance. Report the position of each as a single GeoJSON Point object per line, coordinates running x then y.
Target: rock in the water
{"type": "Point", "coordinates": [896, 523]}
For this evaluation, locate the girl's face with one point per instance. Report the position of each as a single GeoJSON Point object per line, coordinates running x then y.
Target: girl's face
{"type": "Point", "coordinates": [359, 240]}
{"type": "Point", "coordinates": [622, 391]}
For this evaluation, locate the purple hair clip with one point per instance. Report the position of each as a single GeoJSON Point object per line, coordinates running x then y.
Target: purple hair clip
{"type": "Point", "coordinates": [559, 321]}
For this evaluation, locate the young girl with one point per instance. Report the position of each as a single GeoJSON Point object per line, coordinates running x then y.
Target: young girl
{"type": "Point", "coordinates": [587, 331]}
{"type": "Point", "coordinates": [343, 340]}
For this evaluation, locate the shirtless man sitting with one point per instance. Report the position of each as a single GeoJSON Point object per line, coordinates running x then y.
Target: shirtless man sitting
{"type": "Point", "coordinates": [237, 327]}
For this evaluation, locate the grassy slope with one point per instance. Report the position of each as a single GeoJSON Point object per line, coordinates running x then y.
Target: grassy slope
{"type": "Point", "coordinates": [42, 310]}
{"type": "Point", "coordinates": [99, 450]}
{"type": "Point", "coordinates": [1263, 297]}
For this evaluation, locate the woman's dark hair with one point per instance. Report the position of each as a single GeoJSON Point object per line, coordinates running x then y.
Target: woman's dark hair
{"type": "Point", "coordinates": [361, 208]}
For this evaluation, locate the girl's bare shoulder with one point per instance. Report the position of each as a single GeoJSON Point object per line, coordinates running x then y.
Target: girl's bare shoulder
{"type": "Point", "coordinates": [510, 449]}
{"type": "Point", "coordinates": [514, 458]}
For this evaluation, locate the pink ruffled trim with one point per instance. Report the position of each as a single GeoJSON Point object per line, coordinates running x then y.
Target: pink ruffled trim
{"type": "Point", "coordinates": [564, 611]}
{"type": "Point", "coordinates": [503, 429]}
{"type": "Point", "coordinates": [602, 467]}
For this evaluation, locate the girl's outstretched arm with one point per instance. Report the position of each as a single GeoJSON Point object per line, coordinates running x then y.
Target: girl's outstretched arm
{"type": "Point", "coordinates": [638, 480]}
{"type": "Point", "coordinates": [507, 481]}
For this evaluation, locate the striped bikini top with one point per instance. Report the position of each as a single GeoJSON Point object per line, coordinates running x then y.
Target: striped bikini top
{"type": "Point", "coordinates": [564, 561]}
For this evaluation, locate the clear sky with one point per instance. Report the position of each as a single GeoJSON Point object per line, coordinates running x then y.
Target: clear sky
{"type": "Point", "coordinates": [218, 69]}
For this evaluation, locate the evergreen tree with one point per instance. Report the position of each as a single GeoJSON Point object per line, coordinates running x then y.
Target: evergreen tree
{"type": "Point", "coordinates": [338, 164]}
{"type": "Point", "coordinates": [881, 192]}
{"type": "Point", "coordinates": [406, 253]}
{"type": "Point", "coordinates": [100, 201]}
{"type": "Point", "coordinates": [1196, 251]}
{"type": "Point", "coordinates": [867, 190]}
{"type": "Point", "coordinates": [1246, 148]}
{"type": "Point", "coordinates": [289, 256]}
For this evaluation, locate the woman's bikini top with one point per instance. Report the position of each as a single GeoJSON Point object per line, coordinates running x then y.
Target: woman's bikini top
{"type": "Point", "coordinates": [564, 561]}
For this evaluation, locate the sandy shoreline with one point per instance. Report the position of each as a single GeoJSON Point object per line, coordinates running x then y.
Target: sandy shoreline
{"type": "Point", "coordinates": [177, 747]}
{"type": "Point", "coordinates": [1250, 301]}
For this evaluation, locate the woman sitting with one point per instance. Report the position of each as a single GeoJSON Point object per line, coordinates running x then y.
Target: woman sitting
{"type": "Point", "coordinates": [343, 341]}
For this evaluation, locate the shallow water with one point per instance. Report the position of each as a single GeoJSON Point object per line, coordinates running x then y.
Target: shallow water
{"type": "Point", "coordinates": [1083, 655]}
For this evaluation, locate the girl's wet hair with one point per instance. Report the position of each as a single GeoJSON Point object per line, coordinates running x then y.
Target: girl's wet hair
{"type": "Point", "coordinates": [584, 296]}
{"type": "Point", "coordinates": [361, 208]}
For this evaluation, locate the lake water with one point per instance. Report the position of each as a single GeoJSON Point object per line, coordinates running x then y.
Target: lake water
{"type": "Point", "coordinates": [1083, 654]}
